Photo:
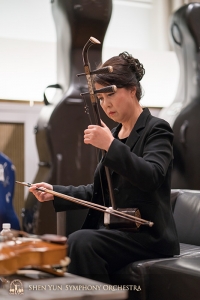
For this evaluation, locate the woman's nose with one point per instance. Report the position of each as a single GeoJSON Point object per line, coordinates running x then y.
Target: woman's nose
{"type": "Point", "coordinates": [107, 102]}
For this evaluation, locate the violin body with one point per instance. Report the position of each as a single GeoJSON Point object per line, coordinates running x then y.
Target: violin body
{"type": "Point", "coordinates": [21, 253]}
{"type": "Point", "coordinates": [64, 159]}
{"type": "Point", "coordinates": [184, 113]}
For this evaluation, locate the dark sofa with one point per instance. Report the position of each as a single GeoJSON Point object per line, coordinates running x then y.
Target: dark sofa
{"type": "Point", "coordinates": [170, 278]}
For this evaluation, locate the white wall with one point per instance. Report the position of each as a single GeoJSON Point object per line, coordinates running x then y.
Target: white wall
{"type": "Point", "coordinates": [27, 67]}
{"type": "Point", "coordinates": [27, 49]}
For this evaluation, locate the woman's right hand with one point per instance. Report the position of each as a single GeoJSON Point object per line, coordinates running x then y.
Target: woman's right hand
{"type": "Point", "coordinates": [42, 196]}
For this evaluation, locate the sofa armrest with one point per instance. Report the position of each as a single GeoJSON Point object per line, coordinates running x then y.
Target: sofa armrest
{"type": "Point", "coordinates": [136, 277]}
{"type": "Point", "coordinates": [175, 279]}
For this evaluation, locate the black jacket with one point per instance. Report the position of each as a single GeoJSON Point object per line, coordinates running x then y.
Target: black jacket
{"type": "Point", "coordinates": [141, 176]}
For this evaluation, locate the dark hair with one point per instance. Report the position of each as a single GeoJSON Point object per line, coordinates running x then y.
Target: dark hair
{"type": "Point", "coordinates": [127, 73]}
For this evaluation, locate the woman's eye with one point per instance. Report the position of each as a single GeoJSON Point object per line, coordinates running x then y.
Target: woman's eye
{"type": "Point", "coordinates": [110, 94]}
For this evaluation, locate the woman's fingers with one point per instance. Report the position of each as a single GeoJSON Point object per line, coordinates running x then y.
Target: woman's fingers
{"type": "Point", "coordinates": [39, 194]}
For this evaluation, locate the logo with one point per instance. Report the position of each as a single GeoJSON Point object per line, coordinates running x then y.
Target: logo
{"type": "Point", "coordinates": [16, 287]}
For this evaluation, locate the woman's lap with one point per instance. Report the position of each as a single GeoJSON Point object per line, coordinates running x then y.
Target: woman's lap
{"type": "Point", "coordinates": [109, 250]}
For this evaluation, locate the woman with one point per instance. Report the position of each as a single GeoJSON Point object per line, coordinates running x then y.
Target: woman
{"type": "Point", "coordinates": [139, 156]}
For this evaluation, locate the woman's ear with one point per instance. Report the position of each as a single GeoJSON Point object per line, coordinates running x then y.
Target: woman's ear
{"type": "Point", "coordinates": [133, 91]}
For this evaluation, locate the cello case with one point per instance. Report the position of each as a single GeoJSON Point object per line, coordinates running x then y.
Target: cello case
{"type": "Point", "coordinates": [184, 113]}
{"type": "Point", "coordinates": [64, 159]}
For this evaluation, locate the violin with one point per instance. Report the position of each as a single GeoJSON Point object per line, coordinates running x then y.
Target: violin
{"type": "Point", "coordinates": [35, 253]}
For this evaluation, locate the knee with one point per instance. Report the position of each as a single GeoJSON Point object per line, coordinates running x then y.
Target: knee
{"type": "Point", "coordinates": [80, 240]}
{"type": "Point", "coordinates": [75, 238]}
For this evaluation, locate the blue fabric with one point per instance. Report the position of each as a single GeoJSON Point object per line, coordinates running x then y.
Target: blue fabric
{"type": "Point", "coordinates": [7, 185]}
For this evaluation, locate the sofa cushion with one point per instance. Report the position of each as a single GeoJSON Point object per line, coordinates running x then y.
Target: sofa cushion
{"type": "Point", "coordinates": [187, 217]}
{"type": "Point", "coordinates": [173, 197]}
{"type": "Point", "coordinates": [188, 250]}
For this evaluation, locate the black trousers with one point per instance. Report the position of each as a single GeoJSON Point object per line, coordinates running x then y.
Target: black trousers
{"type": "Point", "coordinates": [97, 253]}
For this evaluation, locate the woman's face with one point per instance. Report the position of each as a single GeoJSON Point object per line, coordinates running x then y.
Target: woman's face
{"type": "Point", "coordinates": [118, 106]}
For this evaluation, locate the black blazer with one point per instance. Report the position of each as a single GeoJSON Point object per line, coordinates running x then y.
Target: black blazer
{"type": "Point", "coordinates": [141, 176]}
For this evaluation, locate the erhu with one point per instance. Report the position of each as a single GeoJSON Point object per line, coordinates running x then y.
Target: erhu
{"type": "Point", "coordinates": [113, 217]}
{"type": "Point", "coordinates": [111, 220]}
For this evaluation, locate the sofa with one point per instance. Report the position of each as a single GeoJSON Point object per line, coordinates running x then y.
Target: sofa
{"type": "Point", "coordinates": [170, 278]}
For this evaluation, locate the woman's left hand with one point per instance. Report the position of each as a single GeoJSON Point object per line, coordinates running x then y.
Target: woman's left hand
{"type": "Point", "coordinates": [98, 136]}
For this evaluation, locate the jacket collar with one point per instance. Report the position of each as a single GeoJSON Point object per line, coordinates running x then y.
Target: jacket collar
{"type": "Point", "coordinates": [135, 133]}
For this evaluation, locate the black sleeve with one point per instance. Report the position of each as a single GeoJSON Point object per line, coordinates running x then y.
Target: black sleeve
{"type": "Point", "coordinates": [83, 192]}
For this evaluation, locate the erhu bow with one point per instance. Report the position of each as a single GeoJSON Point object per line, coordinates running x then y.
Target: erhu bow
{"type": "Point", "coordinates": [138, 221]}
{"type": "Point", "coordinates": [134, 212]}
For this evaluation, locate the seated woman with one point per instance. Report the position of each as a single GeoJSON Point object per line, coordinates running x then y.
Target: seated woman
{"type": "Point", "coordinates": [139, 154]}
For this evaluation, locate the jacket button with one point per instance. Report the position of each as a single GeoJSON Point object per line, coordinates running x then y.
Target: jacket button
{"type": "Point", "coordinates": [116, 191]}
